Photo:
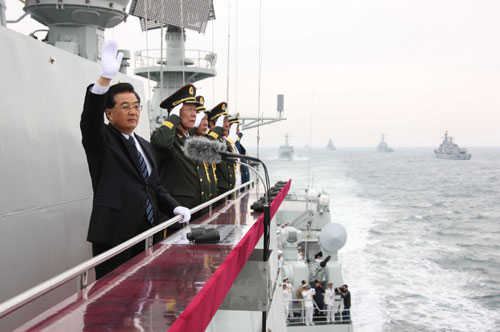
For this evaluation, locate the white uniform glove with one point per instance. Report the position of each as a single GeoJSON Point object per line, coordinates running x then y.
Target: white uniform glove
{"type": "Point", "coordinates": [184, 212]}
{"type": "Point", "coordinates": [177, 110]}
{"type": "Point", "coordinates": [110, 61]}
{"type": "Point", "coordinates": [241, 131]}
{"type": "Point", "coordinates": [199, 117]}
{"type": "Point", "coordinates": [232, 132]}
{"type": "Point", "coordinates": [220, 121]}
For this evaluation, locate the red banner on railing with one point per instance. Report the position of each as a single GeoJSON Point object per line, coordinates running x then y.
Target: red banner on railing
{"type": "Point", "coordinates": [205, 304]}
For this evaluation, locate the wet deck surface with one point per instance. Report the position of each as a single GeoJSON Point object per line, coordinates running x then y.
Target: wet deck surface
{"type": "Point", "coordinates": [150, 291]}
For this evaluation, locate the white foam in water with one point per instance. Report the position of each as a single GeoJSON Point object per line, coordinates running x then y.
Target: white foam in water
{"type": "Point", "coordinates": [357, 216]}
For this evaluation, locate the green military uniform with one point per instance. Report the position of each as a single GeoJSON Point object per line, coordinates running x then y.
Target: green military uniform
{"type": "Point", "coordinates": [225, 171]}
{"type": "Point", "coordinates": [209, 168]}
{"type": "Point", "coordinates": [186, 180]}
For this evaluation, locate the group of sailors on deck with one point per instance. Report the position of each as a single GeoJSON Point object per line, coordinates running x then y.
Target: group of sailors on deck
{"type": "Point", "coordinates": [138, 184]}
{"type": "Point", "coordinates": [312, 302]}
{"type": "Point", "coordinates": [316, 303]}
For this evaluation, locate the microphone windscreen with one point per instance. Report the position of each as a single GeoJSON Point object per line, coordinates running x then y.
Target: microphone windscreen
{"type": "Point", "coordinates": [203, 149]}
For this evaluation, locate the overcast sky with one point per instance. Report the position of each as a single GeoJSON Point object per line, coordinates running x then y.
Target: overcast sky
{"type": "Point", "coordinates": [355, 68]}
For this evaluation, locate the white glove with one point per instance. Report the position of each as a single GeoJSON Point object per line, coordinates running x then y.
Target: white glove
{"type": "Point", "coordinates": [220, 121]}
{"type": "Point", "coordinates": [177, 109]}
{"type": "Point", "coordinates": [241, 131]}
{"type": "Point", "coordinates": [232, 132]}
{"type": "Point", "coordinates": [233, 128]}
{"type": "Point", "coordinates": [110, 61]}
{"type": "Point", "coordinates": [199, 117]}
{"type": "Point", "coordinates": [184, 212]}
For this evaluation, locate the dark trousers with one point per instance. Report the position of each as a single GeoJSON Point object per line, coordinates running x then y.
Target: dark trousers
{"type": "Point", "coordinates": [112, 263]}
{"type": "Point", "coordinates": [346, 315]}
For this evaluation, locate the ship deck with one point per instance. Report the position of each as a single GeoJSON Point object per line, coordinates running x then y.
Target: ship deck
{"type": "Point", "coordinates": [152, 291]}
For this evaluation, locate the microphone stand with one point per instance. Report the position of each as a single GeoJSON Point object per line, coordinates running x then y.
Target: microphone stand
{"type": "Point", "coordinates": [267, 204]}
{"type": "Point", "coordinates": [267, 209]}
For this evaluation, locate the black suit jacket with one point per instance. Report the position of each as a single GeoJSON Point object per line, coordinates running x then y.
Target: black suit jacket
{"type": "Point", "coordinates": [120, 191]}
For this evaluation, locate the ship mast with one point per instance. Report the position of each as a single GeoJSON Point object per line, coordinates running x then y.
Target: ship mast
{"type": "Point", "coordinates": [180, 66]}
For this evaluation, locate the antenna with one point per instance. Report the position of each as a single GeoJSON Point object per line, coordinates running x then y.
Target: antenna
{"type": "Point", "coordinates": [281, 102]}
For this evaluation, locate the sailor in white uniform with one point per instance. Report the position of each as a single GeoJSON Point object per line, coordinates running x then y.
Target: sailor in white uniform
{"type": "Point", "coordinates": [330, 302]}
{"type": "Point", "coordinates": [287, 298]}
{"type": "Point", "coordinates": [290, 289]}
{"type": "Point", "coordinates": [308, 294]}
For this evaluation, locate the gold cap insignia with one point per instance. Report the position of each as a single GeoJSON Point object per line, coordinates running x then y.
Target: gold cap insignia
{"type": "Point", "coordinates": [191, 91]}
{"type": "Point", "coordinates": [223, 107]}
{"type": "Point", "coordinates": [202, 101]}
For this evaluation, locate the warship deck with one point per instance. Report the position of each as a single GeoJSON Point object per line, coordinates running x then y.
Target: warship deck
{"type": "Point", "coordinates": [175, 285]}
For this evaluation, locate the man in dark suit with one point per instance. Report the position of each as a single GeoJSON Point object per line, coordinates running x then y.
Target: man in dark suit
{"type": "Point", "coordinates": [127, 193]}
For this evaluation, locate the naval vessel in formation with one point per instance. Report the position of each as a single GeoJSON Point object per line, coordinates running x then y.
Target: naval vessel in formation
{"type": "Point", "coordinates": [286, 150]}
{"type": "Point", "coordinates": [46, 196]}
{"type": "Point", "coordinates": [383, 147]}
{"type": "Point", "coordinates": [330, 145]}
{"type": "Point", "coordinates": [450, 150]}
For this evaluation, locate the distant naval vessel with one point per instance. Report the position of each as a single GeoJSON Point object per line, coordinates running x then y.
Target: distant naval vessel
{"type": "Point", "coordinates": [286, 151]}
{"type": "Point", "coordinates": [330, 145]}
{"type": "Point", "coordinates": [383, 147]}
{"type": "Point", "coordinates": [449, 150]}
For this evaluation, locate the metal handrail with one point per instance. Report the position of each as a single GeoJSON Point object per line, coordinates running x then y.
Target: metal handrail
{"type": "Point", "coordinates": [154, 57]}
{"type": "Point", "coordinates": [300, 309]}
{"type": "Point", "coordinates": [82, 269]}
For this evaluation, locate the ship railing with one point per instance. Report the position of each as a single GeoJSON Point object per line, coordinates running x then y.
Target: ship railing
{"type": "Point", "coordinates": [81, 271]}
{"type": "Point", "coordinates": [297, 313]}
{"type": "Point", "coordinates": [155, 58]}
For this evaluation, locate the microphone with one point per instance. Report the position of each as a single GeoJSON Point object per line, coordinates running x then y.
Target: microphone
{"type": "Point", "coordinates": [203, 149]}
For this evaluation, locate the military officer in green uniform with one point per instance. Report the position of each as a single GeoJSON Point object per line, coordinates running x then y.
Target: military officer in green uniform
{"type": "Point", "coordinates": [185, 179]}
{"type": "Point", "coordinates": [201, 130]}
{"type": "Point", "coordinates": [219, 125]}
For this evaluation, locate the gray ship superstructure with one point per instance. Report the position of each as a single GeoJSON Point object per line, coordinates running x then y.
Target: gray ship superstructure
{"type": "Point", "coordinates": [450, 150]}
{"type": "Point", "coordinates": [383, 147]}
{"type": "Point", "coordinates": [286, 150]}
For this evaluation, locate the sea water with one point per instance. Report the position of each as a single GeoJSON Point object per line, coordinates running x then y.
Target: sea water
{"type": "Point", "coordinates": [423, 247]}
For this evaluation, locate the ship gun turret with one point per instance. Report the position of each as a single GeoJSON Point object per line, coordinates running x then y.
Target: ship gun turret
{"type": "Point", "coordinates": [331, 239]}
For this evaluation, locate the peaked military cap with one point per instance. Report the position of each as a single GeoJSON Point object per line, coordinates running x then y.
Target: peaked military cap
{"type": "Point", "coordinates": [201, 107]}
{"type": "Point", "coordinates": [234, 119]}
{"type": "Point", "coordinates": [217, 111]}
{"type": "Point", "coordinates": [183, 95]}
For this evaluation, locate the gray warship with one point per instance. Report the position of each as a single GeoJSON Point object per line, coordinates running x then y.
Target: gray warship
{"type": "Point", "coordinates": [46, 196]}
{"type": "Point", "coordinates": [450, 150]}
{"type": "Point", "coordinates": [286, 150]}
{"type": "Point", "coordinates": [383, 147]}
{"type": "Point", "coordinates": [330, 145]}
